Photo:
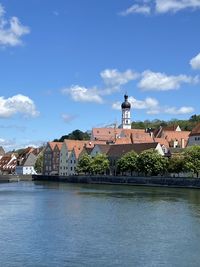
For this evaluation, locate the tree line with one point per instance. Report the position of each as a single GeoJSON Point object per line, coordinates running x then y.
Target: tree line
{"type": "Point", "coordinates": [186, 125]}
{"type": "Point", "coordinates": [148, 163]}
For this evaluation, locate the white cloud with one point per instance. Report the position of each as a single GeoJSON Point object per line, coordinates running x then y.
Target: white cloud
{"type": "Point", "coordinates": [148, 103]}
{"type": "Point", "coordinates": [112, 79]}
{"type": "Point", "coordinates": [68, 117]}
{"type": "Point", "coordinates": [161, 7]}
{"type": "Point", "coordinates": [136, 9]}
{"type": "Point", "coordinates": [115, 78]}
{"type": "Point", "coordinates": [83, 94]}
{"type": "Point", "coordinates": [11, 30]}
{"type": "Point", "coordinates": [179, 111]}
{"type": "Point", "coordinates": [7, 144]}
{"type": "Point", "coordinates": [17, 104]}
{"type": "Point", "coordinates": [153, 107]}
{"type": "Point", "coordinates": [195, 62]}
{"type": "Point", "coordinates": [161, 82]}
{"type": "Point", "coordinates": [164, 6]}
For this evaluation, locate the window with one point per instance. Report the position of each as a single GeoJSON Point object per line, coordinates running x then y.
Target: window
{"type": "Point", "coordinates": [74, 161]}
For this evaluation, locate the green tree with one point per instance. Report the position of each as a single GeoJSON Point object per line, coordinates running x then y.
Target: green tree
{"type": "Point", "coordinates": [84, 164]}
{"type": "Point", "coordinates": [75, 135]}
{"type": "Point", "coordinates": [150, 162]}
{"type": "Point", "coordinates": [128, 162]}
{"type": "Point", "coordinates": [176, 164]}
{"type": "Point", "coordinates": [39, 163]}
{"type": "Point", "coordinates": [100, 164]}
{"type": "Point", "coordinates": [192, 159]}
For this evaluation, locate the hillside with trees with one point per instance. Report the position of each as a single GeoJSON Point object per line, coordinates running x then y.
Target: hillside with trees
{"type": "Point", "coordinates": [186, 125]}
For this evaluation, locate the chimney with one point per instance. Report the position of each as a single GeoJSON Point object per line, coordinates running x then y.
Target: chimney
{"type": "Point", "coordinates": [182, 143]}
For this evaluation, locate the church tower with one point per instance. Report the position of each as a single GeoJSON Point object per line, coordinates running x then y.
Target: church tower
{"type": "Point", "coordinates": [126, 113]}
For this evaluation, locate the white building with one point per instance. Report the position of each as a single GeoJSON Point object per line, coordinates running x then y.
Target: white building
{"type": "Point", "coordinates": [68, 156]}
{"type": "Point", "coordinates": [194, 137]}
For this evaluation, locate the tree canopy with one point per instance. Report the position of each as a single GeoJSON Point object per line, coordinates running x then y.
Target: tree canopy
{"type": "Point", "coordinates": [39, 163]}
{"type": "Point", "coordinates": [192, 159]}
{"type": "Point", "coordinates": [150, 162]}
{"type": "Point", "coordinates": [75, 135]}
{"type": "Point", "coordinates": [128, 162]}
{"type": "Point", "coordinates": [93, 165]}
{"type": "Point", "coordinates": [176, 164]}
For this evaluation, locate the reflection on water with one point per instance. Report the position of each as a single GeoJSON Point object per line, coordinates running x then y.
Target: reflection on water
{"type": "Point", "coordinates": [54, 224]}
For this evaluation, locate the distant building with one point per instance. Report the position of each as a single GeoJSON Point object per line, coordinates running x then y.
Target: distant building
{"type": "Point", "coordinates": [26, 161]}
{"type": "Point", "coordinates": [194, 137]}
{"type": "Point", "coordinates": [175, 137]}
{"type": "Point", "coordinates": [8, 163]}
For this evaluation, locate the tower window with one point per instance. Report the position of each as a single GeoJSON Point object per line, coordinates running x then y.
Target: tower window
{"type": "Point", "coordinates": [127, 121]}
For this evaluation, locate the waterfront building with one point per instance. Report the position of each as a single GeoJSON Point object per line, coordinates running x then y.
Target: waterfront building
{"type": "Point", "coordinates": [26, 161]}
{"type": "Point", "coordinates": [52, 158]}
{"type": "Point", "coordinates": [8, 163]}
{"type": "Point", "coordinates": [117, 151]}
{"type": "Point", "coordinates": [194, 137]}
{"type": "Point", "coordinates": [70, 153]}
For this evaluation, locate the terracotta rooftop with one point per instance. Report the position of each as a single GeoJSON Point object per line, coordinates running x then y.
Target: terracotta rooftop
{"type": "Point", "coordinates": [137, 135]}
{"type": "Point", "coordinates": [120, 150]}
{"type": "Point", "coordinates": [53, 144]}
{"type": "Point", "coordinates": [172, 136]}
{"type": "Point", "coordinates": [105, 134]}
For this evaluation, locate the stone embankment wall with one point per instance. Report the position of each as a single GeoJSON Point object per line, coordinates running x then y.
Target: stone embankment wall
{"type": "Point", "coordinates": [145, 181]}
{"type": "Point", "coordinates": [15, 178]}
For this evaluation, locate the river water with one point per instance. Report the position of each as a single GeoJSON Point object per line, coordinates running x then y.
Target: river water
{"type": "Point", "coordinates": [52, 224]}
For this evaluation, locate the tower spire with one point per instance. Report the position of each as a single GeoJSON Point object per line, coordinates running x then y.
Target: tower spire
{"type": "Point", "coordinates": [126, 113]}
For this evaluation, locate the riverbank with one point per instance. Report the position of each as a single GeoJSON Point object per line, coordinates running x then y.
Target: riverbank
{"type": "Point", "coordinates": [120, 180]}
{"type": "Point", "coordinates": [15, 178]}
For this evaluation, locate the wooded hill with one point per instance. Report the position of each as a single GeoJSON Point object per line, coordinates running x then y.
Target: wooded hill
{"type": "Point", "coordinates": [185, 125]}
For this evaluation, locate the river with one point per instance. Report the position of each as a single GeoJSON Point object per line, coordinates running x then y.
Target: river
{"type": "Point", "coordinates": [55, 224]}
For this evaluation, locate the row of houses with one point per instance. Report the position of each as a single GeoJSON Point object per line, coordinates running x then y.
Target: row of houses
{"type": "Point", "coordinates": [61, 158]}
{"type": "Point", "coordinates": [22, 163]}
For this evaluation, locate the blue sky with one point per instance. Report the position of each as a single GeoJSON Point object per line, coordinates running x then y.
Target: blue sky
{"type": "Point", "coordinates": [67, 64]}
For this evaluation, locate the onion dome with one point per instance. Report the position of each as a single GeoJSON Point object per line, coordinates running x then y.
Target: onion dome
{"type": "Point", "coordinates": [126, 104]}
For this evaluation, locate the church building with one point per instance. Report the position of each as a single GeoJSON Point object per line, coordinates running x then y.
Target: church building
{"type": "Point", "coordinates": [126, 113]}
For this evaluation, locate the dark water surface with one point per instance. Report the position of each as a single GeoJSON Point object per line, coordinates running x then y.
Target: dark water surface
{"type": "Point", "coordinates": [50, 224]}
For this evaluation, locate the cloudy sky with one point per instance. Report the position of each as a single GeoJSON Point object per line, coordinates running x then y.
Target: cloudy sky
{"type": "Point", "coordinates": [67, 64]}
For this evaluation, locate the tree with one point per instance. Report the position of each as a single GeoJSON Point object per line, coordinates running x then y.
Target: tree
{"type": "Point", "coordinates": [176, 164]}
{"type": "Point", "coordinates": [84, 164]}
{"type": "Point", "coordinates": [75, 135]}
{"type": "Point", "coordinates": [192, 159]}
{"type": "Point", "coordinates": [100, 164]}
{"type": "Point", "coordinates": [128, 162]}
{"type": "Point", "coordinates": [39, 163]}
{"type": "Point", "coordinates": [151, 163]}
